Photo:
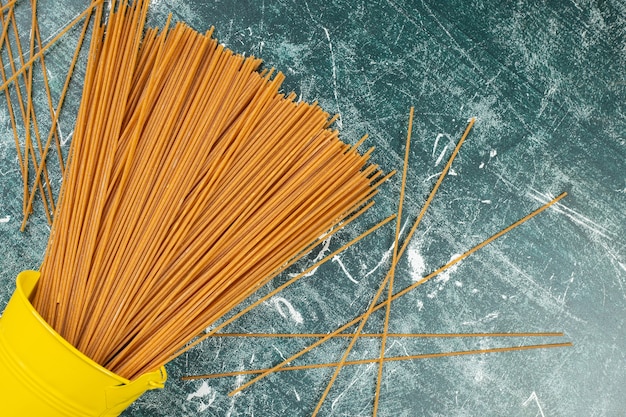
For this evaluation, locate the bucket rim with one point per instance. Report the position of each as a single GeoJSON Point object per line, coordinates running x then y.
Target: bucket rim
{"type": "Point", "coordinates": [25, 284]}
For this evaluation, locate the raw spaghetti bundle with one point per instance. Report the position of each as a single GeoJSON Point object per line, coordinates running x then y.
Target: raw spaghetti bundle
{"type": "Point", "coordinates": [191, 182]}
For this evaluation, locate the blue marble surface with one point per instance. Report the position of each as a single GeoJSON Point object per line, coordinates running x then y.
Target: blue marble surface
{"type": "Point", "coordinates": [546, 82]}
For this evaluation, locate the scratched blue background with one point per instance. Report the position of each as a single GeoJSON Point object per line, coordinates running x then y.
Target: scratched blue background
{"type": "Point", "coordinates": [546, 82]}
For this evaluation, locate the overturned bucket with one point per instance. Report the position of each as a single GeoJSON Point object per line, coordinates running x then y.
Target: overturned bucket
{"type": "Point", "coordinates": [41, 374]}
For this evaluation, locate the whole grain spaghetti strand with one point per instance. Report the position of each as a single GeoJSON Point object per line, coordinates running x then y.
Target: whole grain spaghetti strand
{"type": "Point", "coordinates": [87, 171]}
{"type": "Point", "coordinates": [383, 342]}
{"type": "Point", "coordinates": [305, 273]}
{"type": "Point", "coordinates": [101, 306]}
{"type": "Point", "coordinates": [113, 205]}
{"type": "Point", "coordinates": [386, 359]}
{"type": "Point", "coordinates": [18, 148]}
{"type": "Point", "coordinates": [29, 196]}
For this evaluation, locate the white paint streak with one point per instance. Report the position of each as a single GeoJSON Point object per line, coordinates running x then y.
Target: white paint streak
{"type": "Point", "coordinates": [5, 219]}
{"type": "Point", "coordinates": [444, 277]}
{"type": "Point", "coordinates": [441, 155]}
{"type": "Point", "coordinates": [489, 317]}
{"type": "Point", "coordinates": [204, 391]}
{"type": "Point", "coordinates": [439, 136]}
{"type": "Point", "coordinates": [343, 268]}
{"type": "Point", "coordinates": [433, 176]}
{"type": "Point", "coordinates": [332, 58]}
{"type": "Point", "coordinates": [492, 154]}
{"type": "Point", "coordinates": [386, 256]}
{"type": "Point", "coordinates": [279, 352]}
{"type": "Point", "coordinates": [569, 283]}
{"type": "Point", "coordinates": [279, 302]}
{"type": "Point", "coordinates": [454, 41]}
{"type": "Point", "coordinates": [238, 383]}
{"type": "Point", "coordinates": [318, 257]}
{"type": "Point", "coordinates": [533, 397]}
{"type": "Point", "coordinates": [388, 253]}
{"type": "Point", "coordinates": [416, 262]}
{"type": "Point", "coordinates": [64, 140]}
{"type": "Point", "coordinates": [357, 378]}
{"type": "Point", "coordinates": [576, 217]}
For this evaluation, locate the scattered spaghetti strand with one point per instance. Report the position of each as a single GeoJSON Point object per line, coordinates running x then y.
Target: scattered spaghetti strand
{"type": "Point", "coordinates": [383, 341]}
{"type": "Point", "coordinates": [386, 359]}
{"type": "Point", "coordinates": [404, 291]}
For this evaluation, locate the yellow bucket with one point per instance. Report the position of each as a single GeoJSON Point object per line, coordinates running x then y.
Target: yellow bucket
{"type": "Point", "coordinates": [42, 375]}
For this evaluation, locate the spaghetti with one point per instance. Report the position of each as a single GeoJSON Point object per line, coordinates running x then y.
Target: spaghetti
{"type": "Point", "coordinates": [191, 181]}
